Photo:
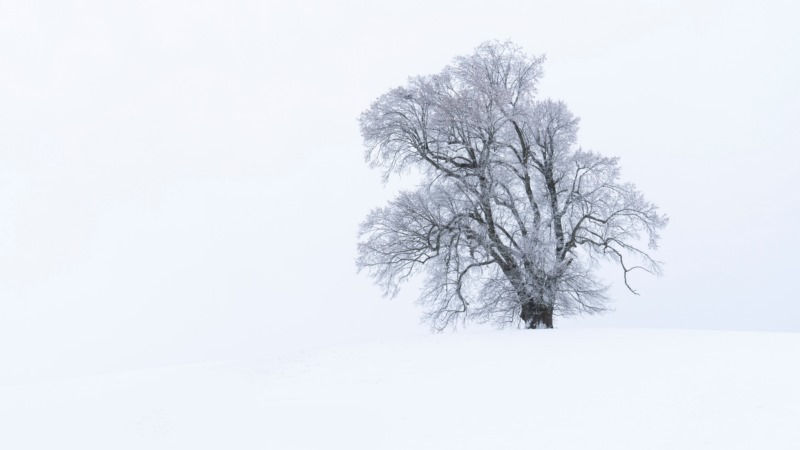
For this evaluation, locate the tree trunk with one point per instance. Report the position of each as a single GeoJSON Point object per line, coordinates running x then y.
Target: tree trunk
{"type": "Point", "coordinates": [537, 315]}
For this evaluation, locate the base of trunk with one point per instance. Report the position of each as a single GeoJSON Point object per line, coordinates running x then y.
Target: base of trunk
{"type": "Point", "coordinates": [537, 316]}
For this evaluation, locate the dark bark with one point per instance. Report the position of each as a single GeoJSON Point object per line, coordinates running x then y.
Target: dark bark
{"type": "Point", "coordinates": [536, 315]}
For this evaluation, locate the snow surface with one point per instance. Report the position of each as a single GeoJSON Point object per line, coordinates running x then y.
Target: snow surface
{"type": "Point", "coordinates": [553, 389]}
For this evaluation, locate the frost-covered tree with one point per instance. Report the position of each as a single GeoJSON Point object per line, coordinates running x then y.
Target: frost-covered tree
{"type": "Point", "coordinates": [512, 217]}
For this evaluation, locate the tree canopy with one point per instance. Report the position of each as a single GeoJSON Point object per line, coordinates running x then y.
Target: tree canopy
{"type": "Point", "coordinates": [512, 218]}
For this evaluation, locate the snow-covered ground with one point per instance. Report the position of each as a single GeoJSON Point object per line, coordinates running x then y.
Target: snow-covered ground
{"type": "Point", "coordinates": [556, 389]}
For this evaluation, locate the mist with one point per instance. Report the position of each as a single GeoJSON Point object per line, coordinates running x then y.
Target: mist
{"type": "Point", "coordinates": [183, 182]}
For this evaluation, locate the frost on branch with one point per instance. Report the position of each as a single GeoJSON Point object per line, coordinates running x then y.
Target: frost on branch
{"type": "Point", "coordinates": [512, 217]}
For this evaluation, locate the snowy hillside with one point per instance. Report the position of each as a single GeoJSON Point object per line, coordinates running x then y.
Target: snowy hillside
{"type": "Point", "coordinates": [554, 389]}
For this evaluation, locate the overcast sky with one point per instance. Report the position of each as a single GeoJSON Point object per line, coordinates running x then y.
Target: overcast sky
{"type": "Point", "coordinates": [183, 181]}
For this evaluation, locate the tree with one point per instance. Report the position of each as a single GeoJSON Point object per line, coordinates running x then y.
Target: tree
{"type": "Point", "coordinates": [512, 218]}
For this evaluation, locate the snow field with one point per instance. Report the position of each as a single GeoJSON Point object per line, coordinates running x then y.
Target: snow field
{"type": "Point", "coordinates": [556, 389]}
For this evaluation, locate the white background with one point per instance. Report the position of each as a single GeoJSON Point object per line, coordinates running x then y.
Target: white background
{"type": "Point", "coordinates": [183, 181]}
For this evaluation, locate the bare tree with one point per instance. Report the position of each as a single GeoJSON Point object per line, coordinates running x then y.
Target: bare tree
{"type": "Point", "coordinates": [512, 217]}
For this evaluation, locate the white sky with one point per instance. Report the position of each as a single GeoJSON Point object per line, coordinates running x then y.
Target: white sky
{"type": "Point", "coordinates": [182, 181]}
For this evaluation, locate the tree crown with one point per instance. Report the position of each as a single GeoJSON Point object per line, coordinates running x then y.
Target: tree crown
{"type": "Point", "coordinates": [512, 216]}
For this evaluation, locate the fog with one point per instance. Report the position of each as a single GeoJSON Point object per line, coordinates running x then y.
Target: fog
{"type": "Point", "coordinates": [183, 181]}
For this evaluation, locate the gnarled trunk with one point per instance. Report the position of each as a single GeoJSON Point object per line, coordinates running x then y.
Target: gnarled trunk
{"type": "Point", "coordinates": [536, 315]}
